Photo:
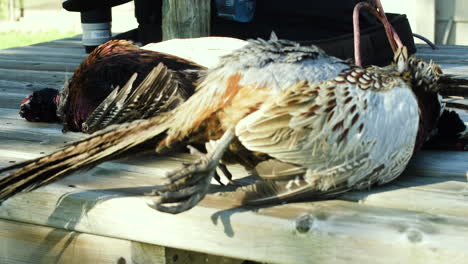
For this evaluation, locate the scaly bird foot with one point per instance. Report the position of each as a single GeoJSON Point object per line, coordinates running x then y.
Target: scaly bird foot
{"type": "Point", "coordinates": [186, 187]}
{"type": "Point", "coordinates": [227, 174]}
{"type": "Point", "coordinates": [189, 185]}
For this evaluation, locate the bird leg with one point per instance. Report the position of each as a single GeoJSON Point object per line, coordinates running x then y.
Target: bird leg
{"type": "Point", "coordinates": [227, 174]}
{"type": "Point", "coordinates": [189, 185]}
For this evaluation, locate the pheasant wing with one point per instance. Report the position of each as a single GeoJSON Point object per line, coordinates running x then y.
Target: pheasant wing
{"type": "Point", "coordinates": [348, 132]}
{"type": "Point", "coordinates": [158, 92]}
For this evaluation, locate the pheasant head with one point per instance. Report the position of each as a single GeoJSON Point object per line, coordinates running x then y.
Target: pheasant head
{"type": "Point", "coordinates": [40, 106]}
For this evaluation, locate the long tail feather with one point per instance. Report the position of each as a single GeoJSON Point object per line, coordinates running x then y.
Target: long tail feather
{"type": "Point", "coordinates": [81, 155]}
{"type": "Point", "coordinates": [451, 86]}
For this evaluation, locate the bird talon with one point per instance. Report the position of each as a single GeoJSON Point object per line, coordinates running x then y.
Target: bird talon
{"type": "Point", "coordinates": [218, 179]}
{"type": "Point", "coordinates": [177, 207]}
{"type": "Point", "coordinates": [200, 166]}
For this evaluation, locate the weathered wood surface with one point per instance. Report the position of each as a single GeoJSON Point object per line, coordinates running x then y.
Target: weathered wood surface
{"type": "Point", "coordinates": [419, 218]}
{"type": "Point", "coordinates": [186, 18]}
{"type": "Point", "coordinates": [27, 243]}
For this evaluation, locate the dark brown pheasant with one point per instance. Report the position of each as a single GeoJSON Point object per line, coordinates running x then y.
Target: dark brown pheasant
{"type": "Point", "coordinates": [109, 66]}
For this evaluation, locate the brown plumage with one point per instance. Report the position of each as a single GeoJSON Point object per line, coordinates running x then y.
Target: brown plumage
{"type": "Point", "coordinates": [328, 121]}
{"type": "Point", "coordinates": [109, 66]}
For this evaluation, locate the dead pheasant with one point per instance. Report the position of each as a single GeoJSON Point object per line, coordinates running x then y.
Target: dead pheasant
{"type": "Point", "coordinates": [109, 66]}
{"type": "Point", "coordinates": [309, 124]}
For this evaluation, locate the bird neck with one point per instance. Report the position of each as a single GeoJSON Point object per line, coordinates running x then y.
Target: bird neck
{"type": "Point", "coordinates": [424, 80]}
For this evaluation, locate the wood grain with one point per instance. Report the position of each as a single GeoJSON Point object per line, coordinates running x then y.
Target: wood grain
{"type": "Point", "coordinates": [186, 18]}
{"type": "Point", "coordinates": [324, 232]}
{"type": "Point", "coordinates": [100, 215]}
{"type": "Point", "coordinates": [26, 243]}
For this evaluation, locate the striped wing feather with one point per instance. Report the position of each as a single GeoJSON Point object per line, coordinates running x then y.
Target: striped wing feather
{"type": "Point", "coordinates": [332, 131]}
{"type": "Point", "coordinates": [156, 93]}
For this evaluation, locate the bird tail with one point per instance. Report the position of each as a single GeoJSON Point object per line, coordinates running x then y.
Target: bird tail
{"type": "Point", "coordinates": [84, 154]}
{"type": "Point", "coordinates": [453, 86]}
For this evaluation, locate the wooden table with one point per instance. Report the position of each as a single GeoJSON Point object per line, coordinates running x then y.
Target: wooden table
{"type": "Point", "coordinates": [101, 216]}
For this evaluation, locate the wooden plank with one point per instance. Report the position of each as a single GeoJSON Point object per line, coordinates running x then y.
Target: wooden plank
{"type": "Point", "coordinates": [12, 100]}
{"type": "Point", "coordinates": [27, 243]}
{"type": "Point", "coordinates": [70, 44]}
{"type": "Point", "coordinates": [38, 49]}
{"type": "Point", "coordinates": [44, 52]}
{"type": "Point", "coordinates": [37, 65]}
{"type": "Point", "coordinates": [74, 38]}
{"type": "Point", "coordinates": [186, 18]}
{"type": "Point", "coordinates": [21, 129]}
{"type": "Point", "coordinates": [7, 113]}
{"type": "Point", "coordinates": [446, 48]}
{"type": "Point", "coordinates": [178, 256]}
{"type": "Point", "coordinates": [41, 57]}
{"type": "Point", "coordinates": [441, 198]}
{"type": "Point", "coordinates": [323, 232]}
{"type": "Point", "coordinates": [422, 47]}
{"type": "Point", "coordinates": [445, 54]}
{"type": "Point", "coordinates": [440, 164]}
{"type": "Point", "coordinates": [439, 55]}
{"type": "Point", "coordinates": [52, 78]}
{"type": "Point", "coordinates": [24, 86]}
{"type": "Point", "coordinates": [442, 52]}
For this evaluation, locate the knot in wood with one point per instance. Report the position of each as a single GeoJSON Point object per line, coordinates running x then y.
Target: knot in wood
{"type": "Point", "coordinates": [304, 223]}
{"type": "Point", "coordinates": [414, 236]}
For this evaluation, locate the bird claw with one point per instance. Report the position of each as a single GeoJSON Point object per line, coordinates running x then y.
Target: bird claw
{"type": "Point", "coordinates": [186, 187]}
{"type": "Point", "coordinates": [176, 207]}
{"type": "Point", "coordinates": [189, 185]}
